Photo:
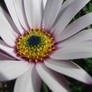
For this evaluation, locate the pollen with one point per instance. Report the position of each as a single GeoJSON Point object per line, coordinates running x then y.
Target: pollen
{"type": "Point", "coordinates": [35, 45]}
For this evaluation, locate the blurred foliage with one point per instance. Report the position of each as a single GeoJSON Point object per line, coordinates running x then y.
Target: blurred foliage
{"type": "Point", "coordinates": [84, 63]}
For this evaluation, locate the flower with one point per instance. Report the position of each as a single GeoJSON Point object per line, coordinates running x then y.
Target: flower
{"type": "Point", "coordinates": [39, 42]}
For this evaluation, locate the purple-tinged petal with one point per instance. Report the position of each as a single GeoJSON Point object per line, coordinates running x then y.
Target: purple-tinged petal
{"type": "Point", "coordinates": [10, 70]}
{"type": "Point", "coordinates": [52, 79]}
{"type": "Point", "coordinates": [76, 50]}
{"type": "Point", "coordinates": [4, 56]}
{"type": "Point", "coordinates": [75, 27]}
{"type": "Point", "coordinates": [66, 4]}
{"type": "Point", "coordinates": [9, 51]}
{"type": "Point", "coordinates": [6, 31]}
{"type": "Point", "coordinates": [13, 14]}
{"type": "Point", "coordinates": [83, 36]}
{"type": "Point", "coordinates": [9, 19]}
{"type": "Point", "coordinates": [28, 82]}
{"type": "Point", "coordinates": [44, 3]}
{"type": "Point", "coordinates": [51, 11]}
{"type": "Point", "coordinates": [70, 69]}
{"type": "Point", "coordinates": [33, 10]}
{"type": "Point", "coordinates": [19, 7]}
{"type": "Point", "coordinates": [68, 15]}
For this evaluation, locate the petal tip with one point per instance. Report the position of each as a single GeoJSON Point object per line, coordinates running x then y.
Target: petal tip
{"type": "Point", "coordinates": [90, 83]}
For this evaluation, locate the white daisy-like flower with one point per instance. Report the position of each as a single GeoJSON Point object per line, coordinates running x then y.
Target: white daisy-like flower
{"type": "Point", "coordinates": [39, 42]}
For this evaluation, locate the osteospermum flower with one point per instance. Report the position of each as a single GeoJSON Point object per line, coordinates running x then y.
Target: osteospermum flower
{"type": "Point", "coordinates": [39, 42]}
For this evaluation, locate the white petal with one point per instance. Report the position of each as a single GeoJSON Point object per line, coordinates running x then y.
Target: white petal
{"type": "Point", "coordinates": [13, 14]}
{"type": "Point", "coordinates": [61, 10]}
{"type": "Point", "coordinates": [28, 82]}
{"type": "Point", "coordinates": [66, 4]}
{"type": "Point", "coordinates": [74, 51]}
{"type": "Point", "coordinates": [43, 8]}
{"type": "Point", "coordinates": [70, 69]}
{"type": "Point", "coordinates": [20, 13]}
{"type": "Point", "coordinates": [50, 12]}
{"type": "Point", "coordinates": [33, 10]}
{"type": "Point", "coordinates": [6, 31]}
{"type": "Point", "coordinates": [44, 3]}
{"type": "Point", "coordinates": [75, 27]}
{"type": "Point", "coordinates": [10, 70]}
{"type": "Point", "coordinates": [4, 56]}
{"type": "Point", "coordinates": [9, 19]}
{"type": "Point", "coordinates": [68, 14]}
{"type": "Point", "coordinates": [3, 43]}
{"type": "Point", "coordinates": [83, 36]}
{"type": "Point", "coordinates": [51, 79]}
{"type": "Point", "coordinates": [9, 51]}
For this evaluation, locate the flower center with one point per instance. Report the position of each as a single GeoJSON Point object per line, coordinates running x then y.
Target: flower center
{"type": "Point", "coordinates": [35, 45]}
{"type": "Point", "coordinates": [34, 40]}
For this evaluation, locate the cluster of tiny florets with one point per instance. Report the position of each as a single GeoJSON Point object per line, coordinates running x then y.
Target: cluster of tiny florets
{"type": "Point", "coordinates": [35, 45]}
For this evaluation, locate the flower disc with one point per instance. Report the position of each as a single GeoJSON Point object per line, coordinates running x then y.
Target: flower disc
{"type": "Point", "coordinates": [35, 45]}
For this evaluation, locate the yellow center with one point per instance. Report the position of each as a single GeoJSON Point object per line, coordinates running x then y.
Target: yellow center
{"type": "Point", "coordinates": [32, 49]}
